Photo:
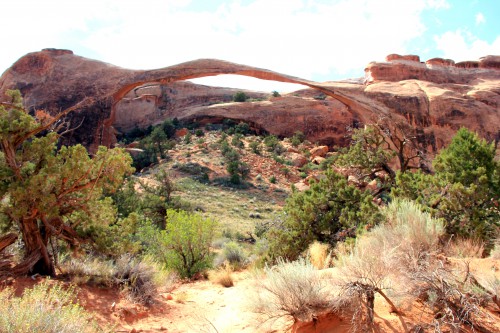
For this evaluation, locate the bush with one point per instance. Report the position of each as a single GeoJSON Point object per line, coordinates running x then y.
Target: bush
{"type": "Point", "coordinates": [137, 278]}
{"type": "Point", "coordinates": [297, 138]}
{"type": "Point", "coordinates": [292, 290]}
{"type": "Point", "coordinates": [255, 146]}
{"type": "Point", "coordinates": [187, 239]}
{"type": "Point", "coordinates": [44, 308]}
{"type": "Point", "coordinates": [240, 96]}
{"type": "Point", "coordinates": [232, 254]}
{"type": "Point", "coordinates": [386, 260]}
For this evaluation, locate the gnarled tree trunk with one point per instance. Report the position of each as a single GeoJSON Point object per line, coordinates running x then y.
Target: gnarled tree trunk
{"type": "Point", "coordinates": [35, 241]}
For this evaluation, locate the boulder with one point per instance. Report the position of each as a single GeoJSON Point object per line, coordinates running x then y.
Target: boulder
{"type": "Point", "coordinates": [318, 151]}
{"type": "Point", "coordinates": [317, 160]}
{"type": "Point", "coordinates": [298, 160]}
{"type": "Point", "coordinates": [301, 186]}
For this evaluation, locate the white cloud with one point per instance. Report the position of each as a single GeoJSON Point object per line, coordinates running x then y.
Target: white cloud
{"type": "Point", "coordinates": [480, 19]}
{"type": "Point", "coordinates": [304, 38]}
{"type": "Point", "coordinates": [461, 45]}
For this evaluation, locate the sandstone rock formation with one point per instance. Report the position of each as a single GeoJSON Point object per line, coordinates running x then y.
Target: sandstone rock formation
{"type": "Point", "coordinates": [436, 97]}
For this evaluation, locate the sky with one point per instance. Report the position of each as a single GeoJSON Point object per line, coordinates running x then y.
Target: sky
{"type": "Point", "coordinates": [320, 40]}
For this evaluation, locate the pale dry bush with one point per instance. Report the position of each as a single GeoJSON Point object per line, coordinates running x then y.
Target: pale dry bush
{"type": "Point", "coordinates": [292, 290]}
{"type": "Point", "coordinates": [222, 275]}
{"type": "Point", "coordinates": [319, 255]}
{"type": "Point", "coordinates": [44, 308]}
{"type": "Point", "coordinates": [381, 260]}
{"type": "Point", "coordinates": [464, 248]}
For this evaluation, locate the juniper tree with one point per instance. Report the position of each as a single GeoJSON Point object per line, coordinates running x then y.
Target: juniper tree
{"type": "Point", "coordinates": [48, 191]}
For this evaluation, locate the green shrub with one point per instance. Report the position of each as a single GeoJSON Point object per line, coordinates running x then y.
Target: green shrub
{"type": "Point", "coordinates": [236, 141]}
{"type": "Point", "coordinates": [255, 146]}
{"type": "Point", "coordinates": [233, 254]}
{"type": "Point", "coordinates": [240, 96]}
{"type": "Point", "coordinates": [199, 132]}
{"type": "Point", "coordinates": [187, 239]}
{"type": "Point", "coordinates": [44, 308]}
{"type": "Point", "coordinates": [297, 138]}
{"type": "Point", "coordinates": [330, 211]}
{"type": "Point", "coordinates": [276, 93]}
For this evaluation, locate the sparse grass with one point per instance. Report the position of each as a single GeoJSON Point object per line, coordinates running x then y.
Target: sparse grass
{"type": "Point", "coordinates": [465, 248]}
{"type": "Point", "coordinates": [44, 308]}
{"type": "Point", "coordinates": [319, 255]}
{"type": "Point", "coordinates": [222, 275]}
{"type": "Point", "coordinates": [228, 206]}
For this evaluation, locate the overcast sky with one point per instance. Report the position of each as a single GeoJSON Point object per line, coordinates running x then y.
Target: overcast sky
{"type": "Point", "coordinates": [319, 40]}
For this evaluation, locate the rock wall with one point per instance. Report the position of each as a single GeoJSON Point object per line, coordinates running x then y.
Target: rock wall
{"type": "Point", "coordinates": [436, 97]}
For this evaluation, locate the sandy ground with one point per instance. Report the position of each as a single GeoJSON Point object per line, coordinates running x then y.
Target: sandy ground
{"type": "Point", "coordinates": [202, 306]}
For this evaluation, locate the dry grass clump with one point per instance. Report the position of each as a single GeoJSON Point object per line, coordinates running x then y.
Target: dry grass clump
{"type": "Point", "coordinates": [292, 290]}
{"type": "Point", "coordinates": [319, 255]}
{"type": "Point", "coordinates": [44, 308]}
{"type": "Point", "coordinates": [465, 248]}
{"type": "Point", "coordinates": [495, 252]}
{"type": "Point", "coordinates": [222, 275]}
{"type": "Point", "coordinates": [137, 278]}
{"type": "Point", "coordinates": [89, 269]}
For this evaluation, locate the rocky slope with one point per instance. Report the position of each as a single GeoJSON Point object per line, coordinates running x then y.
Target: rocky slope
{"type": "Point", "coordinates": [436, 97]}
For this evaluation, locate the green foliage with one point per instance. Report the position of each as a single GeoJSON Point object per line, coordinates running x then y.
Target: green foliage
{"type": "Point", "coordinates": [240, 96]}
{"type": "Point", "coordinates": [237, 169]}
{"type": "Point", "coordinates": [187, 138]}
{"type": "Point", "coordinates": [273, 144]}
{"type": "Point", "coordinates": [368, 152]}
{"type": "Point", "coordinates": [329, 211]}
{"type": "Point", "coordinates": [63, 183]}
{"type": "Point", "coordinates": [44, 308]}
{"type": "Point", "coordinates": [470, 205]}
{"type": "Point", "coordinates": [276, 93]}
{"type": "Point", "coordinates": [233, 254]}
{"type": "Point", "coordinates": [199, 133]}
{"type": "Point", "coordinates": [237, 142]}
{"type": "Point", "coordinates": [464, 190]}
{"type": "Point", "coordinates": [297, 138]}
{"type": "Point", "coordinates": [187, 239]}
{"type": "Point", "coordinates": [242, 128]}
{"type": "Point", "coordinates": [255, 146]}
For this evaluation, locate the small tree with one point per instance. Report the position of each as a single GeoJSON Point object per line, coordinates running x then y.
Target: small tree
{"type": "Point", "coordinates": [50, 192]}
{"type": "Point", "coordinates": [331, 210]}
{"type": "Point", "coordinates": [187, 238]}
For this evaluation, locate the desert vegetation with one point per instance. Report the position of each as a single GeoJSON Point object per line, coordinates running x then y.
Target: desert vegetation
{"type": "Point", "coordinates": [323, 232]}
